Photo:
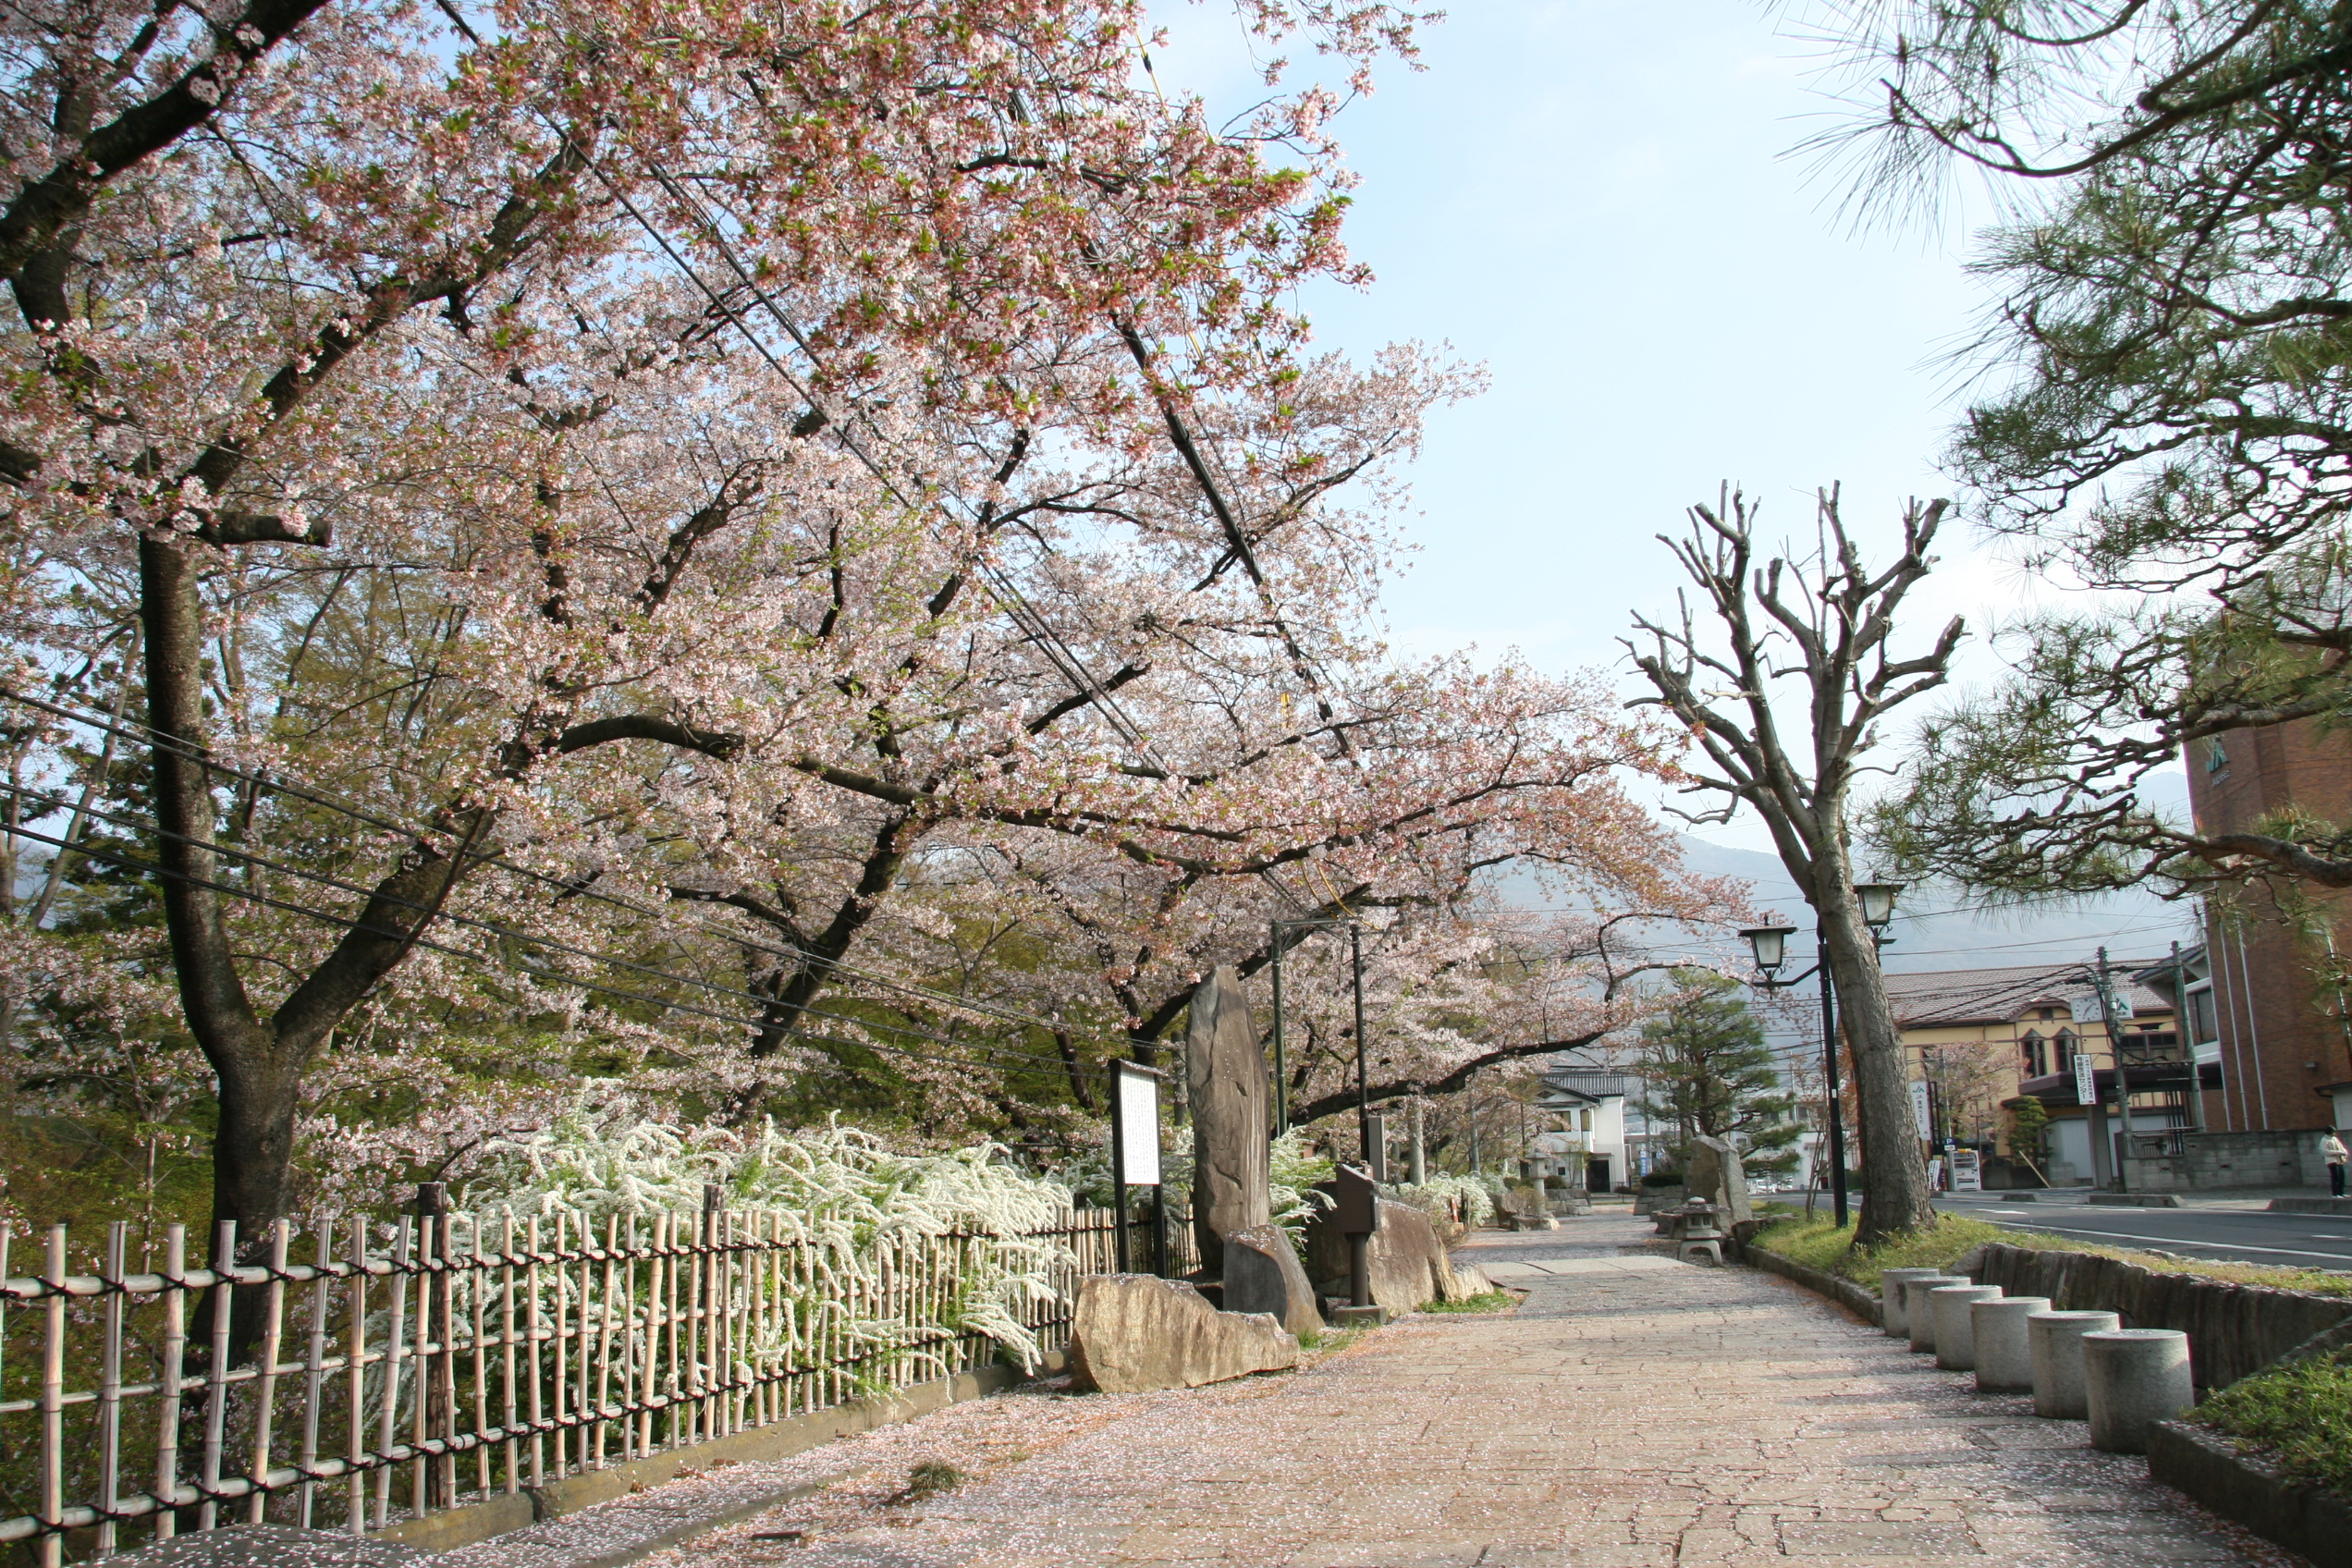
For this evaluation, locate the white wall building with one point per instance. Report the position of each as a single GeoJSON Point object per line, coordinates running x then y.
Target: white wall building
{"type": "Point", "coordinates": [1586, 1110]}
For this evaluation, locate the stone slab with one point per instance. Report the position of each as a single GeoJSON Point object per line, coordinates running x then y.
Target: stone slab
{"type": "Point", "coordinates": [1129, 1333]}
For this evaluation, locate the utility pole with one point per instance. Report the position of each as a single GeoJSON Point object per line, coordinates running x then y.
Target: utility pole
{"type": "Point", "coordinates": [1362, 1079]}
{"type": "Point", "coordinates": [1470, 1102]}
{"type": "Point", "coordinates": [2115, 1050]}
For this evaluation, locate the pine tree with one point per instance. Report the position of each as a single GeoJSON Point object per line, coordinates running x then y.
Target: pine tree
{"type": "Point", "coordinates": [1707, 1069]}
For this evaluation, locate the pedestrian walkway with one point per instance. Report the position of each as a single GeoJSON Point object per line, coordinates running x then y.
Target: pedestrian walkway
{"type": "Point", "coordinates": [1634, 1412]}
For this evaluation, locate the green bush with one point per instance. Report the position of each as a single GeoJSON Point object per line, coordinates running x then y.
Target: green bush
{"type": "Point", "coordinates": [1663, 1179]}
{"type": "Point", "coordinates": [2299, 1418]}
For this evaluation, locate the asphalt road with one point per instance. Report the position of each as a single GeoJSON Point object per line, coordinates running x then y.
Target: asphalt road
{"type": "Point", "coordinates": [2307, 1241]}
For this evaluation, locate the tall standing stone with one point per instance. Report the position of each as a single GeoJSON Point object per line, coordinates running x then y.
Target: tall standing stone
{"type": "Point", "coordinates": [1711, 1170]}
{"type": "Point", "coordinates": [1226, 1074]}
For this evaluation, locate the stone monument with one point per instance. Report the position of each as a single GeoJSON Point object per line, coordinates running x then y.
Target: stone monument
{"type": "Point", "coordinates": [1711, 1170]}
{"type": "Point", "coordinates": [1263, 1274]}
{"type": "Point", "coordinates": [1226, 1075]}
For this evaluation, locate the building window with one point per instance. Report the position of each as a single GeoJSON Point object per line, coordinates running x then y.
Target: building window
{"type": "Point", "coordinates": [2216, 759]}
{"type": "Point", "coordinates": [2036, 1054]}
{"type": "Point", "coordinates": [2203, 1024]}
{"type": "Point", "coordinates": [2066, 1044]}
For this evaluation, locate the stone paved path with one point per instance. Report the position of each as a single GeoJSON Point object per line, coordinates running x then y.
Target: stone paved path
{"type": "Point", "coordinates": [1634, 1412]}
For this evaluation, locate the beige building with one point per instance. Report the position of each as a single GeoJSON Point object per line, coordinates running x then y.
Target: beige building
{"type": "Point", "coordinates": [1976, 1039]}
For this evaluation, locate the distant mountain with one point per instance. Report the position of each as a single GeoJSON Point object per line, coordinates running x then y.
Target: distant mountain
{"type": "Point", "coordinates": [1941, 927]}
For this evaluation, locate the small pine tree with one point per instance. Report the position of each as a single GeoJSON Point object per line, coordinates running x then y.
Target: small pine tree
{"type": "Point", "coordinates": [1707, 1069]}
{"type": "Point", "coordinates": [2028, 1129]}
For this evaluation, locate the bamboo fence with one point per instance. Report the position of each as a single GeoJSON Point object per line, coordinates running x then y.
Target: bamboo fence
{"type": "Point", "coordinates": [352, 1374]}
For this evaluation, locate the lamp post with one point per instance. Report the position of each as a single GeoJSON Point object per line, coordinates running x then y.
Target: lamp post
{"type": "Point", "coordinates": [1769, 946]}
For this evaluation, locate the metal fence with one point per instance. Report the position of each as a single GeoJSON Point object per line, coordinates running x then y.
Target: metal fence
{"type": "Point", "coordinates": [345, 1383]}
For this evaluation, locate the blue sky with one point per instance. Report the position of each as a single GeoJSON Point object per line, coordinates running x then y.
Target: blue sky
{"type": "Point", "coordinates": [1594, 198]}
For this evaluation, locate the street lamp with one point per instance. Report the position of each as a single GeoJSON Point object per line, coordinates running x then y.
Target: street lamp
{"type": "Point", "coordinates": [1769, 946]}
{"type": "Point", "coordinates": [1878, 904]}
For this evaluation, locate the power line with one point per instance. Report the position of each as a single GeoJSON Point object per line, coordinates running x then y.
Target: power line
{"type": "Point", "coordinates": [499, 863]}
{"type": "Point", "coordinates": [349, 923]}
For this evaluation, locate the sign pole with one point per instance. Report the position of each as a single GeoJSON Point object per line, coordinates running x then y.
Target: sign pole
{"type": "Point", "coordinates": [1134, 1156]}
{"type": "Point", "coordinates": [1119, 1247]}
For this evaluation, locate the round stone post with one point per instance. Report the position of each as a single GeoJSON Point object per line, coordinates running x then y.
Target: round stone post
{"type": "Point", "coordinates": [2133, 1379]}
{"type": "Point", "coordinates": [1955, 1337]}
{"type": "Point", "coordinates": [1892, 1316]}
{"type": "Point", "coordinates": [2004, 1351]}
{"type": "Point", "coordinates": [1919, 1313]}
{"type": "Point", "coordinates": [2055, 1339]}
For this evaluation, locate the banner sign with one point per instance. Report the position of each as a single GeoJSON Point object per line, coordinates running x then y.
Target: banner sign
{"type": "Point", "coordinates": [1135, 1124]}
{"type": "Point", "coordinates": [1919, 1107]}
{"type": "Point", "coordinates": [2086, 1086]}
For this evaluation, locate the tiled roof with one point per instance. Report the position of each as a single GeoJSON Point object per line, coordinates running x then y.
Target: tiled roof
{"type": "Point", "coordinates": [1593, 1085]}
{"type": "Point", "coordinates": [1998, 996]}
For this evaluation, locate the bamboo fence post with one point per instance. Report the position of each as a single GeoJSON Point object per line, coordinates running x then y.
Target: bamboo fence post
{"type": "Point", "coordinates": [537, 1408]}
{"type": "Point", "coordinates": [420, 1363]}
{"type": "Point", "coordinates": [355, 1384]}
{"type": "Point", "coordinates": [562, 1344]}
{"type": "Point", "coordinates": [266, 1397]}
{"type": "Point", "coordinates": [314, 1373]}
{"type": "Point", "coordinates": [649, 1381]}
{"type": "Point", "coordinates": [110, 1274]}
{"type": "Point", "coordinates": [507, 1352]}
{"type": "Point", "coordinates": [216, 1374]}
{"type": "Point", "coordinates": [604, 1334]}
{"type": "Point", "coordinates": [478, 1302]}
{"type": "Point", "coordinates": [394, 1342]}
{"type": "Point", "coordinates": [53, 1408]}
{"type": "Point", "coordinates": [175, 1352]}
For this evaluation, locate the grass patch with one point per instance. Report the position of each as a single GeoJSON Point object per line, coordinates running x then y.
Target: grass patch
{"type": "Point", "coordinates": [1331, 1342]}
{"type": "Point", "coordinates": [1485, 1300]}
{"type": "Point", "coordinates": [2299, 1417]}
{"type": "Point", "coordinates": [926, 1480]}
{"type": "Point", "coordinates": [1817, 1244]}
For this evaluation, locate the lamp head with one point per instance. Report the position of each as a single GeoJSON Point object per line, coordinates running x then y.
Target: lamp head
{"type": "Point", "coordinates": [1878, 901]}
{"type": "Point", "coordinates": [1769, 945]}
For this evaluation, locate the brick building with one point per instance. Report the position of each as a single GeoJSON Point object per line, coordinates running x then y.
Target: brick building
{"type": "Point", "coordinates": [2266, 992]}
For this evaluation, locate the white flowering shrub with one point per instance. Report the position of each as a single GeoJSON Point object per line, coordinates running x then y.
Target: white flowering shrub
{"type": "Point", "coordinates": [858, 1209]}
{"type": "Point", "coordinates": [1439, 1196]}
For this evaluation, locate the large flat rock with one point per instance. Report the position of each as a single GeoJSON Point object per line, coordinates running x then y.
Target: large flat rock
{"type": "Point", "coordinates": [1130, 1333]}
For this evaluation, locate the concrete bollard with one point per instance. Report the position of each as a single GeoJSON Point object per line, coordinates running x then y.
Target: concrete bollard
{"type": "Point", "coordinates": [2004, 1352]}
{"type": "Point", "coordinates": [2133, 1379]}
{"type": "Point", "coordinates": [1920, 1312]}
{"type": "Point", "coordinates": [1892, 1315]}
{"type": "Point", "coordinates": [2055, 1339]}
{"type": "Point", "coordinates": [1956, 1338]}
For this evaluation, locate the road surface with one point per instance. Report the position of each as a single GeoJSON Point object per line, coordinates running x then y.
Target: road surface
{"type": "Point", "coordinates": [2297, 1240]}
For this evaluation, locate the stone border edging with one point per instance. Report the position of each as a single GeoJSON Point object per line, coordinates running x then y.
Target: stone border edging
{"type": "Point", "coordinates": [480, 1522]}
{"type": "Point", "coordinates": [1845, 1292]}
{"type": "Point", "coordinates": [2286, 1513]}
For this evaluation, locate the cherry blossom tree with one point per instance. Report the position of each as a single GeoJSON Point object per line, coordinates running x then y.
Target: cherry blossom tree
{"type": "Point", "coordinates": [332, 311]}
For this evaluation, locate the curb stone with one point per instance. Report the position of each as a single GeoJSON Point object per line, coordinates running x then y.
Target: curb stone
{"type": "Point", "coordinates": [477, 1523]}
{"type": "Point", "coordinates": [2209, 1467]}
{"type": "Point", "coordinates": [2191, 1459]}
{"type": "Point", "coordinates": [1845, 1292]}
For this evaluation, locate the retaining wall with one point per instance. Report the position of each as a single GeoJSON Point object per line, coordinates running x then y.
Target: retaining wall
{"type": "Point", "coordinates": [2209, 1161]}
{"type": "Point", "coordinates": [2233, 1330]}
